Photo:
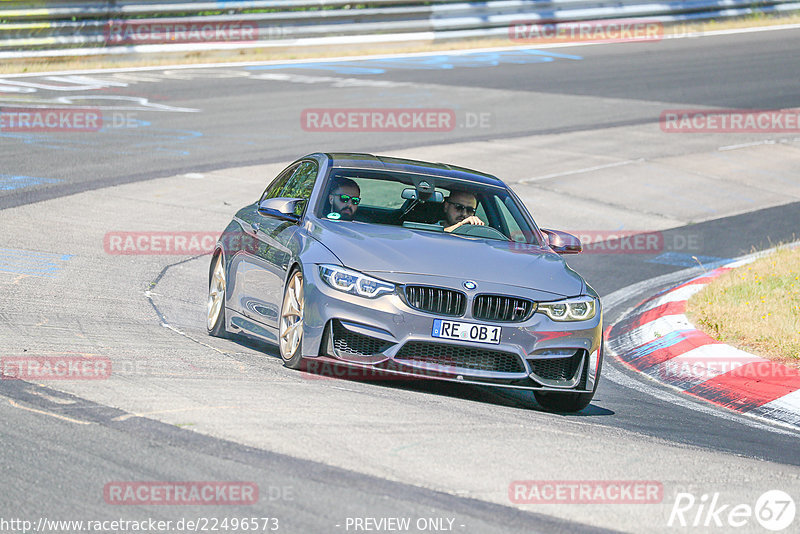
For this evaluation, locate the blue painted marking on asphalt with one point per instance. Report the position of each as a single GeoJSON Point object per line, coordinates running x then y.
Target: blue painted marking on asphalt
{"type": "Point", "coordinates": [43, 256]}
{"type": "Point", "coordinates": [158, 137]}
{"type": "Point", "coordinates": [680, 259]}
{"type": "Point", "coordinates": [46, 141]}
{"type": "Point", "coordinates": [9, 182]}
{"type": "Point", "coordinates": [433, 62]}
{"type": "Point", "coordinates": [129, 123]}
{"type": "Point", "coordinates": [154, 140]}
{"type": "Point", "coordinates": [662, 342]}
{"type": "Point", "coordinates": [30, 262]}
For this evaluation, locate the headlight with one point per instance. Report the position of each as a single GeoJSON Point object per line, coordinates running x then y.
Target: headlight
{"type": "Point", "coordinates": [354, 282]}
{"type": "Point", "coordinates": [576, 309]}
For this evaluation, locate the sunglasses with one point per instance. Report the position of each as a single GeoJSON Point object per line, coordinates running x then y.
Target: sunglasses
{"type": "Point", "coordinates": [345, 198]}
{"type": "Point", "coordinates": [460, 207]}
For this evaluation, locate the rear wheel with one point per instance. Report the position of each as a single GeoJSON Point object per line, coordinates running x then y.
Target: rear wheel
{"type": "Point", "coordinates": [290, 331]}
{"type": "Point", "coordinates": [215, 321]}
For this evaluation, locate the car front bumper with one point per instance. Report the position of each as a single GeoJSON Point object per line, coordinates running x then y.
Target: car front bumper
{"type": "Point", "coordinates": [385, 336]}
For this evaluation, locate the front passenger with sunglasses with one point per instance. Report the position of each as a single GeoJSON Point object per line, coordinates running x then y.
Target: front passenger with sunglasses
{"type": "Point", "coordinates": [344, 198]}
{"type": "Point", "coordinates": [459, 209]}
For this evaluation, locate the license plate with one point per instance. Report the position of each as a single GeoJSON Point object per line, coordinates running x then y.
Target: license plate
{"type": "Point", "coordinates": [478, 333]}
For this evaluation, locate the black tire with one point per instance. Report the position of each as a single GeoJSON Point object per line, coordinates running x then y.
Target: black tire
{"type": "Point", "coordinates": [563, 402]}
{"type": "Point", "coordinates": [569, 402]}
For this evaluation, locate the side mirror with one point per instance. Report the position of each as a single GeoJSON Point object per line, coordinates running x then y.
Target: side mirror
{"type": "Point", "coordinates": [411, 194]}
{"type": "Point", "coordinates": [281, 208]}
{"type": "Point", "coordinates": [562, 242]}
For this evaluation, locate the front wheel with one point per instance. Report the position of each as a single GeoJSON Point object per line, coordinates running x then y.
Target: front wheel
{"type": "Point", "coordinates": [290, 331]}
{"type": "Point", "coordinates": [569, 402]}
{"type": "Point", "coordinates": [563, 402]}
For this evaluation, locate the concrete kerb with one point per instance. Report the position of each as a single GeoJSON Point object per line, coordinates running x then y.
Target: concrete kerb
{"type": "Point", "coordinates": [656, 339]}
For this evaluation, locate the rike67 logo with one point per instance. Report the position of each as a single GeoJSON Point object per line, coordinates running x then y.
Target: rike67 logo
{"type": "Point", "coordinates": [774, 510]}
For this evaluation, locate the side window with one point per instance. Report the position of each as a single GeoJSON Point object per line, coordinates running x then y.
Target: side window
{"type": "Point", "coordinates": [274, 189]}
{"type": "Point", "coordinates": [301, 184]}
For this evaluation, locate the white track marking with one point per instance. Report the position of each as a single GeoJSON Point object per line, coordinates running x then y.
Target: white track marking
{"type": "Point", "coordinates": [653, 330]}
{"type": "Point", "coordinates": [678, 295]}
{"type": "Point", "coordinates": [701, 364]}
{"type": "Point", "coordinates": [580, 171]}
{"type": "Point", "coordinates": [747, 145]}
{"type": "Point", "coordinates": [333, 80]}
{"type": "Point", "coordinates": [15, 89]}
{"type": "Point", "coordinates": [175, 410]}
{"type": "Point", "coordinates": [184, 334]}
{"type": "Point", "coordinates": [739, 263]}
{"type": "Point", "coordinates": [42, 412]}
{"type": "Point", "coordinates": [138, 103]}
{"type": "Point", "coordinates": [786, 408]}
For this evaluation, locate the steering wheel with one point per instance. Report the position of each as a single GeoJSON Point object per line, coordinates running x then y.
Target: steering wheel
{"type": "Point", "coordinates": [476, 230]}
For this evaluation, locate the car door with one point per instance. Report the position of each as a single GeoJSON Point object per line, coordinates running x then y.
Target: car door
{"type": "Point", "coordinates": [262, 270]}
{"type": "Point", "coordinates": [243, 263]}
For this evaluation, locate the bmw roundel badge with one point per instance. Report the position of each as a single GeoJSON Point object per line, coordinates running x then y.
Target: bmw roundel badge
{"type": "Point", "coordinates": [470, 285]}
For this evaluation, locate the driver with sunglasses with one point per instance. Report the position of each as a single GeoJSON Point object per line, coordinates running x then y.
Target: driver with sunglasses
{"type": "Point", "coordinates": [459, 209]}
{"type": "Point", "coordinates": [344, 198]}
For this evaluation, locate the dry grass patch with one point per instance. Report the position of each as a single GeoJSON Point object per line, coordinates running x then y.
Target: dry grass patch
{"type": "Point", "coordinates": [755, 307]}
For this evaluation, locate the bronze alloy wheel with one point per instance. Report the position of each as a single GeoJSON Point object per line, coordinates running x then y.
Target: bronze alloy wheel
{"type": "Point", "coordinates": [290, 334]}
{"type": "Point", "coordinates": [215, 319]}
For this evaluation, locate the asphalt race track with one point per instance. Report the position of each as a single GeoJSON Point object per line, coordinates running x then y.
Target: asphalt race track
{"type": "Point", "coordinates": [574, 130]}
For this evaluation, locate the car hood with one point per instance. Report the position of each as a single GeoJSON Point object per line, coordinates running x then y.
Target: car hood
{"type": "Point", "coordinates": [377, 249]}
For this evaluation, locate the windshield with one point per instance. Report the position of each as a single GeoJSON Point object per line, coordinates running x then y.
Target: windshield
{"type": "Point", "coordinates": [424, 202]}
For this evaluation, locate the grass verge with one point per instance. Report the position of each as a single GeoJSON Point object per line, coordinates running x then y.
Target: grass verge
{"type": "Point", "coordinates": [755, 307]}
{"type": "Point", "coordinates": [283, 53]}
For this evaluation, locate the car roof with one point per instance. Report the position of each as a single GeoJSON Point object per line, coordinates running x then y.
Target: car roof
{"type": "Point", "coordinates": [351, 160]}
